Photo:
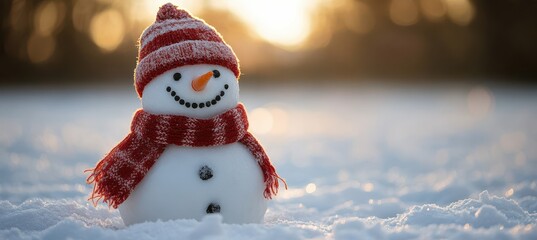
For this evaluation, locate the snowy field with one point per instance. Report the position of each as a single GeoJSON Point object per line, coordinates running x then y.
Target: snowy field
{"type": "Point", "coordinates": [361, 163]}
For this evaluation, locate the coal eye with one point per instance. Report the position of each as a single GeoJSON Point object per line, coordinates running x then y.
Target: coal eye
{"type": "Point", "coordinates": [216, 73]}
{"type": "Point", "coordinates": [176, 76]}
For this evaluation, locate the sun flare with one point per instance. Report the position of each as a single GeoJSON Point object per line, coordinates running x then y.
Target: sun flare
{"type": "Point", "coordinates": [280, 22]}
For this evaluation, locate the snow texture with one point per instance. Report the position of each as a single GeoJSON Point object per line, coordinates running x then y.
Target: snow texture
{"type": "Point", "coordinates": [361, 163]}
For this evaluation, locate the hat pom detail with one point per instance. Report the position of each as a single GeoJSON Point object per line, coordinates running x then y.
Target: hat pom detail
{"type": "Point", "coordinates": [170, 11]}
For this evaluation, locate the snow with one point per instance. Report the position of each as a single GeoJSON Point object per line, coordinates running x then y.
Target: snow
{"type": "Point", "coordinates": [361, 163]}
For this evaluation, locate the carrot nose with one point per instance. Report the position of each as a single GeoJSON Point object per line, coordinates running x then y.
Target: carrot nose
{"type": "Point", "coordinates": [200, 82]}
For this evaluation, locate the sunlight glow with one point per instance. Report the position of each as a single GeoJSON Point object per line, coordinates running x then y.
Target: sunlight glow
{"type": "Point", "coordinates": [282, 22]}
{"type": "Point", "coordinates": [368, 187]}
{"type": "Point", "coordinates": [151, 8]}
{"type": "Point", "coordinates": [82, 12]}
{"type": "Point", "coordinates": [433, 10]}
{"type": "Point", "coordinates": [280, 120]}
{"type": "Point", "coordinates": [311, 188]}
{"type": "Point", "coordinates": [460, 12]}
{"type": "Point", "coordinates": [49, 17]}
{"type": "Point", "coordinates": [404, 12]}
{"type": "Point", "coordinates": [40, 48]}
{"type": "Point", "coordinates": [358, 17]}
{"type": "Point", "coordinates": [478, 212]}
{"type": "Point", "coordinates": [107, 29]}
{"type": "Point", "coordinates": [509, 192]}
{"type": "Point", "coordinates": [17, 18]}
{"type": "Point", "coordinates": [261, 121]}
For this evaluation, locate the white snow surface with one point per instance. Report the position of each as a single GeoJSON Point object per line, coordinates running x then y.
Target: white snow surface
{"type": "Point", "coordinates": [361, 163]}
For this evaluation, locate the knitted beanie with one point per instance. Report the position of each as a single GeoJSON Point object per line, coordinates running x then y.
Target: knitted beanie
{"type": "Point", "coordinates": [177, 39]}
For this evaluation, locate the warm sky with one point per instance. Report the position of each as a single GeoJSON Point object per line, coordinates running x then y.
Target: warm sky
{"type": "Point", "coordinates": [282, 22]}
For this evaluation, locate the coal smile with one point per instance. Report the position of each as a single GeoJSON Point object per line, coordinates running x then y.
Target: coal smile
{"type": "Point", "coordinates": [190, 104]}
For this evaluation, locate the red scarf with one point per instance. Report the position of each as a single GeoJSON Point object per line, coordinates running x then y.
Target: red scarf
{"type": "Point", "coordinates": [118, 173]}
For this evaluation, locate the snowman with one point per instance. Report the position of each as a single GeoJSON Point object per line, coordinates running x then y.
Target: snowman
{"type": "Point", "coordinates": [189, 153]}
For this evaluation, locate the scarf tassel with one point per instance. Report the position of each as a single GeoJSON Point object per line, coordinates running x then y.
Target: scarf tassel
{"type": "Point", "coordinates": [102, 190]}
{"type": "Point", "coordinates": [272, 183]}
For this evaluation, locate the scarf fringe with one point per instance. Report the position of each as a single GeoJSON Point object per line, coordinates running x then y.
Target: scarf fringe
{"type": "Point", "coordinates": [270, 177]}
{"type": "Point", "coordinates": [101, 191]}
{"type": "Point", "coordinates": [272, 185]}
{"type": "Point", "coordinates": [99, 177]}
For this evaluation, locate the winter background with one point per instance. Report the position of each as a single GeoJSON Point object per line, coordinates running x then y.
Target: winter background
{"type": "Point", "coordinates": [400, 119]}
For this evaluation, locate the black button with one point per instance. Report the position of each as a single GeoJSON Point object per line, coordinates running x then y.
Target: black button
{"type": "Point", "coordinates": [213, 208]}
{"type": "Point", "coordinates": [205, 173]}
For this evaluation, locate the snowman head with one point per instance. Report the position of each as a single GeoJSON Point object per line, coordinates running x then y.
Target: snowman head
{"type": "Point", "coordinates": [200, 91]}
{"type": "Point", "coordinates": [185, 67]}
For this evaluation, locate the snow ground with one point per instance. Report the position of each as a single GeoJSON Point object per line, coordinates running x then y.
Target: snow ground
{"type": "Point", "coordinates": [361, 163]}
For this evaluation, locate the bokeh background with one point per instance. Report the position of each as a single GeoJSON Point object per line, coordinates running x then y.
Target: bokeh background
{"type": "Point", "coordinates": [402, 41]}
{"type": "Point", "coordinates": [389, 119]}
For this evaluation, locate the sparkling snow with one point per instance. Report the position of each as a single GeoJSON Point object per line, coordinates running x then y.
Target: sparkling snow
{"type": "Point", "coordinates": [361, 163]}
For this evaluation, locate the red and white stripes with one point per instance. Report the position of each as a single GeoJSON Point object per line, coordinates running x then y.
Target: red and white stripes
{"type": "Point", "coordinates": [177, 39]}
{"type": "Point", "coordinates": [174, 31]}
{"type": "Point", "coordinates": [118, 173]}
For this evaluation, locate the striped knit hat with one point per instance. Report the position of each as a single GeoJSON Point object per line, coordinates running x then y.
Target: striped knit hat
{"type": "Point", "coordinates": [177, 39]}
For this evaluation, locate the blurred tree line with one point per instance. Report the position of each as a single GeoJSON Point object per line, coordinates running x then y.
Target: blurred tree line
{"type": "Point", "coordinates": [59, 41]}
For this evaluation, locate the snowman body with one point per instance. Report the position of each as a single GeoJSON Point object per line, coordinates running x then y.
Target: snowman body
{"type": "Point", "coordinates": [188, 153]}
{"type": "Point", "coordinates": [190, 182]}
